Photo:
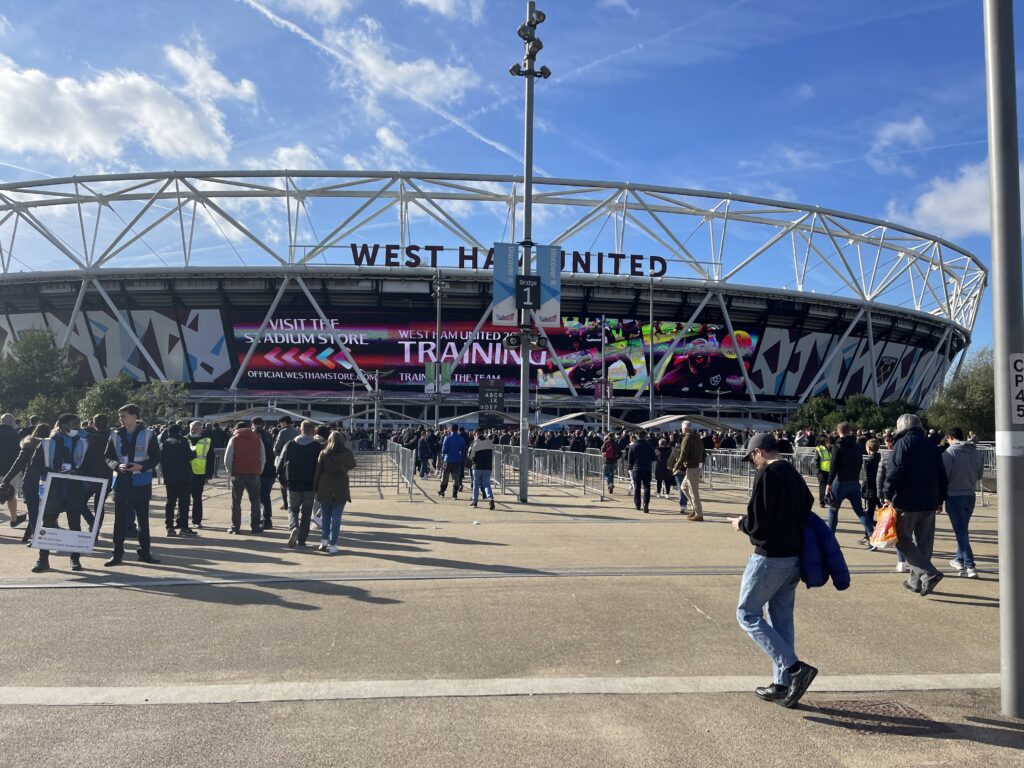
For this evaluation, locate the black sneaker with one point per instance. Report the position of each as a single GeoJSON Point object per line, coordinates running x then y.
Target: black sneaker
{"type": "Point", "coordinates": [773, 692]}
{"type": "Point", "coordinates": [76, 565]}
{"type": "Point", "coordinates": [912, 588]}
{"type": "Point", "coordinates": [799, 682]}
{"type": "Point", "coordinates": [255, 529]}
{"type": "Point", "coordinates": [16, 521]}
{"type": "Point", "coordinates": [145, 557]}
{"type": "Point", "coordinates": [267, 526]}
{"type": "Point", "coordinates": [40, 566]}
{"type": "Point", "coordinates": [232, 530]}
{"type": "Point", "coordinates": [492, 504]}
{"type": "Point", "coordinates": [113, 561]}
{"type": "Point", "coordinates": [929, 587]}
{"type": "Point", "coordinates": [186, 531]}
{"type": "Point", "coordinates": [171, 532]}
{"type": "Point", "coordinates": [441, 494]}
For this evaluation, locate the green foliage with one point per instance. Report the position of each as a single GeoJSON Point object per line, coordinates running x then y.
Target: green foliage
{"type": "Point", "coordinates": [36, 368]}
{"type": "Point", "coordinates": [816, 413]}
{"type": "Point", "coordinates": [107, 396]}
{"type": "Point", "coordinates": [968, 401]}
{"type": "Point", "coordinates": [161, 401]}
{"type": "Point", "coordinates": [48, 407]}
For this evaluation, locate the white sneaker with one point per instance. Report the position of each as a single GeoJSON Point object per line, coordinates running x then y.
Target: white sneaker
{"type": "Point", "coordinates": [318, 521]}
{"type": "Point", "coordinates": [901, 567]}
{"type": "Point", "coordinates": [332, 549]}
{"type": "Point", "coordinates": [322, 547]}
{"type": "Point", "coordinates": [956, 565]}
{"type": "Point", "coordinates": [971, 573]}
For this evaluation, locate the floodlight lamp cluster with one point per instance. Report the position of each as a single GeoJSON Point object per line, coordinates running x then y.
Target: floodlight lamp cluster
{"type": "Point", "coordinates": [528, 32]}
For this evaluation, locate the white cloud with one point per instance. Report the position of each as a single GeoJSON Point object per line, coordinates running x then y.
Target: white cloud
{"type": "Point", "coordinates": [804, 91]}
{"type": "Point", "coordinates": [323, 11]}
{"type": "Point", "coordinates": [474, 9]}
{"type": "Point", "coordinates": [375, 72]}
{"type": "Point", "coordinates": [297, 157]}
{"type": "Point", "coordinates": [390, 152]}
{"type": "Point", "coordinates": [956, 207]}
{"type": "Point", "coordinates": [5, 25]}
{"type": "Point", "coordinates": [913, 132]}
{"type": "Point", "coordinates": [390, 140]}
{"type": "Point", "coordinates": [623, 5]}
{"type": "Point", "coordinates": [96, 119]}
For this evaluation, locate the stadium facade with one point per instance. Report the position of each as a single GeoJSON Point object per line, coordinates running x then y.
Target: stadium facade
{"type": "Point", "coordinates": [324, 289]}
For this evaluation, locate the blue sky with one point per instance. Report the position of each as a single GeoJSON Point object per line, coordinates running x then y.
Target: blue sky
{"type": "Point", "coordinates": [875, 107]}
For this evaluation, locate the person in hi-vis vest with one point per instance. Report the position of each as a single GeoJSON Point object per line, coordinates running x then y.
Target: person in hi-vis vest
{"type": "Point", "coordinates": [132, 453]}
{"type": "Point", "coordinates": [202, 468]}
{"type": "Point", "coordinates": [823, 465]}
{"type": "Point", "coordinates": [63, 451]}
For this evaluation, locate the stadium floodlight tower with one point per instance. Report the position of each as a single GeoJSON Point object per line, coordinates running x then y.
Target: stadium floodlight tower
{"type": "Point", "coordinates": [528, 32]}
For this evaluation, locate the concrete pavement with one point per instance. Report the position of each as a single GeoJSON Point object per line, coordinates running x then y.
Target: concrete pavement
{"type": "Point", "coordinates": [519, 599]}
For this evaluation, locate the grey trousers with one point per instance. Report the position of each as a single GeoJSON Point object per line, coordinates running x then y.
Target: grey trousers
{"type": "Point", "coordinates": [915, 538]}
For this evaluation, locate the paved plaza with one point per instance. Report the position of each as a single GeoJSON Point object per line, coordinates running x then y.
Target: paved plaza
{"type": "Point", "coordinates": [567, 632]}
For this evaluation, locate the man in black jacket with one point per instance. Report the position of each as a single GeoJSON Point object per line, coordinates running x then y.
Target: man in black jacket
{"type": "Point", "coordinates": [641, 457]}
{"type": "Point", "coordinates": [95, 464]}
{"type": "Point", "coordinates": [298, 462]}
{"type": "Point", "coordinates": [777, 512]}
{"type": "Point", "coordinates": [176, 456]}
{"type": "Point", "coordinates": [844, 479]}
{"type": "Point", "coordinates": [916, 484]}
{"type": "Point", "coordinates": [268, 475]}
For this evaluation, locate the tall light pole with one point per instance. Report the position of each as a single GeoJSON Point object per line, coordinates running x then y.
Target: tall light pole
{"type": "Point", "coordinates": [1008, 338]}
{"type": "Point", "coordinates": [439, 286]}
{"type": "Point", "coordinates": [528, 32]}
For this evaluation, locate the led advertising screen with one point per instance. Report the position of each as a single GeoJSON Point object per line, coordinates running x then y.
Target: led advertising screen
{"type": "Point", "coordinates": [304, 353]}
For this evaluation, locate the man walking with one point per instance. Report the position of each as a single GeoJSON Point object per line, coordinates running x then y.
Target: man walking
{"type": "Point", "coordinates": [453, 453]}
{"type": "Point", "coordinates": [844, 479]}
{"type": "Point", "coordinates": [916, 484]}
{"type": "Point", "coordinates": [176, 455]}
{"type": "Point", "coordinates": [777, 511]}
{"type": "Point", "coordinates": [688, 468]}
{"type": "Point", "coordinates": [641, 457]}
{"type": "Point", "coordinates": [964, 468]}
{"type": "Point", "coordinates": [269, 473]}
{"type": "Point", "coordinates": [132, 454]}
{"type": "Point", "coordinates": [285, 434]}
{"type": "Point", "coordinates": [481, 461]}
{"type": "Point", "coordinates": [298, 462]}
{"type": "Point", "coordinates": [243, 460]}
{"type": "Point", "coordinates": [201, 468]}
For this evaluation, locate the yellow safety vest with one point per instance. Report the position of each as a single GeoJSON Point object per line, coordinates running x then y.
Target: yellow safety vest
{"type": "Point", "coordinates": [202, 447]}
{"type": "Point", "coordinates": [824, 459]}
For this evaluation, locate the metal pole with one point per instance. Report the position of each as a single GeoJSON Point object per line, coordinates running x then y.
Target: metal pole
{"type": "Point", "coordinates": [650, 359]}
{"type": "Point", "coordinates": [603, 383]}
{"type": "Point", "coordinates": [1008, 338]}
{"type": "Point", "coordinates": [437, 351]}
{"type": "Point", "coordinates": [527, 243]}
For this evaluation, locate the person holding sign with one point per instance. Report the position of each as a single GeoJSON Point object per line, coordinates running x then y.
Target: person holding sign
{"type": "Point", "coordinates": [62, 452]}
{"type": "Point", "coordinates": [132, 453]}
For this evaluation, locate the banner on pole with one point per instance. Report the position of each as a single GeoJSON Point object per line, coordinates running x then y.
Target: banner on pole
{"type": "Point", "coordinates": [506, 267]}
{"type": "Point", "coordinates": [549, 267]}
{"type": "Point", "coordinates": [444, 378]}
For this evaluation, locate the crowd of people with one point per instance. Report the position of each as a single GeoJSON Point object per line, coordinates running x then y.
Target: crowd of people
{"type": "Point", "coordinates": [309, 462]}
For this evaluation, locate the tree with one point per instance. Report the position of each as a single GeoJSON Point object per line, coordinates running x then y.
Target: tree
{"type": "Point", "coordinates": [816, 413]}
{"type": "Point", "coordinates": [969, 401]}
{"type": "Point", "coordinates": [48, 408]}
{"type": "Point", "coordinates": [161, 401]}
{"type": "Point", "coordinates": [36, 367]}
{"type": "Point", "coordinates": [107, 396]}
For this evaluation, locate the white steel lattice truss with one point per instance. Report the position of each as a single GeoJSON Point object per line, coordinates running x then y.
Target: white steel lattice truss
{"type": "Point", "coordinates": [293, 221]}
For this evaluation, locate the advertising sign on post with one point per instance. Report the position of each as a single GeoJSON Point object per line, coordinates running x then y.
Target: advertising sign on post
{"type": "Point", "coordinates": [549, 267]}
{"type": "Point", "coordinates": [491, 397]}
{"type": "Point", "coordinates": [60, 492]}
{"type": "Point", "coordinates": [506, 266]}
{"type": "Point", "coordinates": [444, 378]}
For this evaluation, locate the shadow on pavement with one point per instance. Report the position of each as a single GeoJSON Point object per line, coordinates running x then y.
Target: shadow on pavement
{"type": "Point", "coordinates": [854, 718]}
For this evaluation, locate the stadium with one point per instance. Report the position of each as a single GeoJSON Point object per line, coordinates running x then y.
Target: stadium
{"type": "Point", "coordinates": [325, 290]}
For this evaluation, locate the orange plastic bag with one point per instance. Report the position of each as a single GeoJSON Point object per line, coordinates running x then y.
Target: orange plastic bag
{"type": "Point", "coordinates": [885, 528]}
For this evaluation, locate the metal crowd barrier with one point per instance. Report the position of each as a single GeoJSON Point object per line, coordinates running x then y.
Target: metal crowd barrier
{"type": "Point", "coordinates": [404, 461]}
{"type": "Point", "coordinates": [552, 469]}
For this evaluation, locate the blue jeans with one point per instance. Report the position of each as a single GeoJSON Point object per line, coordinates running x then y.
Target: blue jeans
{"type": "Point", "coordinates": [847, 489]}
{"type": "Point", "coordinates": [609, 474]}
{"type": "Point", "coordinates": [482, 484]}
{"type": "Point", "coordinates": [683, 501]}
{"type": "Point", "coordinates": [330, 516]}
{"type": "Point", "coordinates": [771, 582]}
{"type": "Point", "coordinates": [960, 509]}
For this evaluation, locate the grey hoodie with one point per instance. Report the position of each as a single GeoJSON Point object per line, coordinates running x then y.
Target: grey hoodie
{"type": "Point", "coordinates": [964, 467]}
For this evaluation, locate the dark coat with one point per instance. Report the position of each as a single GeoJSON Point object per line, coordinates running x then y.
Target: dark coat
{"type": "Point", "coordinates": [821, 558]}
{"type": "Point", "coordinates": [176, 455]}
{"type": "Point", "coordinates": [331, 477]}
{"type": "Point", "coordinates": [9, 446]}
{"type": "Point", "coordinates": [299, 463]}
{"type": "Point", "coordinates": [915, 480]}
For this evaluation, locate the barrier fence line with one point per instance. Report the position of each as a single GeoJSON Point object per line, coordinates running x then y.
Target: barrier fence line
{"type": "Point", "coordinates": [404, 461]}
